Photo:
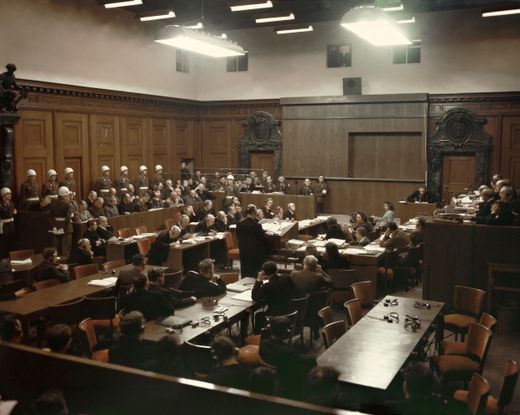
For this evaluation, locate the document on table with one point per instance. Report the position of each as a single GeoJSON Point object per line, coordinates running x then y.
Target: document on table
{"type": "Point", "coordinates": [105, 282]}
{"type": "Point", "coordinates": [242, 285]}
{"type": "Point", "coordinates": [244, 296]}
{"type": "Point", "coordinates": [15, 262]}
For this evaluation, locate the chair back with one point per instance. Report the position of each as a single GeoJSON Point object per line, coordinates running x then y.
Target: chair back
{"type": "Point", "coordinates": [487, 320]}
{"type": "Point", "coordinates": [230, 242]}
{"type": "Point", "coordinates": [363, 291]}
{"type": "Point", "coordinates": [40, 285]}
{"type": "Point", "coordinates": [198, 358]}
{"type": "Point", "coordinates": [21, 254]}
{"type": "Point", "coordinates": [391, 259]}
{"type": "Point", "coordinates": [508, 385]}
{"type": "Point", "coordinates": [414, 257]}
{"type": "Point", "coordinates": [173, 279]}
{"type": "Point", "coordinates": [342, 279]}
{"type": "Point", "coordinates": [326, 315]}
{"type": "Point", "coordinates": [87, 328]}
{"type": "Point", "coordinates": [168, 223]}
{"type": "Point", "coordinates": [144, 246]}
{"type": "Point", "coordinates": [332, 332]}
{"type": "Point", "coordinates": [353, 308]}
{"type": "Point", "coordinates": [468, 300]}
{"type": "Point", "coordinates": [300, 306]}
{"type": "Point", "coordinates": [478, 393]}
{"type": "Point", "coordinates": [317, 301]}
{"type": "Point", "coordinates": [141, 229]}
{"type": "Point", "coordinates": [176, 217]}
{"type": "Point", "coordinates": [100, 308]}
{"type": "Point", "coordinates": [293, 316]}
{"type": "Point", "coordinates": [110, 265]}
{"type": "Point", "coordinates": [68, 313]}
{"type": "Point", "coordinates": [229, 278]}
{"type": "Point", "coordinates": [124, 233]}
{"type": "Point", "coordinates": [81, 271]}
{"type": "Point", "coordinates": [478, 342]}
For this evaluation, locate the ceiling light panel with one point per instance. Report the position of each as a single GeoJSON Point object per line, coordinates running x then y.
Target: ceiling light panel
{"type": "Point", "coordinates": [252, 6]}
{"type": "Point", "coordinates": [123, 4]}
{"type": "Point", "coordinates": [275, 18]}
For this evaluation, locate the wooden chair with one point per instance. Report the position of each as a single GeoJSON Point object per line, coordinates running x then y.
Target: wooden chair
{"type": "Point", "coordinates": [87, 328]}
{"type": "Point", "coordinates": [168, 223]}
{"type": "Point", "coordinates": [505, 396]}
{"type": "Point", "coordinates": [124, 233]}
{"type": "Point", "coordinates": [300, 306]}
{"type": "Point", "coordinates": [85, 270]}
{"type": "Point", "coordinates": [332, 332]}
{"type": "Point", "coordinates": [41, 285]}
{"type": "Point", "coordinates": [229, 278]}
{"type": "Point", "coordinates": [451, 347]}
{"type": "Point", "coordinates": [141, 229]}
{"type": "Point", "coordinates": [199, 359]}
{"type": "Point", "coordinates": [477, 395]}
{"type": "Point", "coordinates": [326, 315]}
{"type": "Point", "coordinates": [144, 246]}
{"type": "Point", "coordinates": [467, 306]}
{"type": "Point", "coordinates": [461, 367]}
{"type": "Point", "coordinates": [233, 253]}
{"type": "Point", "coordinates": [173, 279]}
{"type": "Point", "coordinates": [70, 313]}
{"type": "Point", "coordinates": [354, 313]}
{"type": "Point", "coordinates": [340, 291]}
{"type": "Point", "coordinates": [110, 265]}
{"type": "Point", "coordinates": [406, 272]}
{"type": "Point", "coordinates": [317, 301]}
{"type": "Point", "coordinates": [363, 290]}
{"type": "Point", "coordinates": [102, 311]}
{"type": "Point", "coordinates": [21, 254]}
{"type": "Point", "coordinates": [387, 272]}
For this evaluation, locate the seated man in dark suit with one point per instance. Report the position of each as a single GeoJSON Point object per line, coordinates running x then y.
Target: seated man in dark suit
{"type": "Point", "coordinates": [310, 279]}
{"type": "Point", "coordinates": [290, 213]}
{"type": "Point", "coordinates": [11, 329]}
{"type": "Point", "coordinates": [126, 277]}
{"type": "Point", "coordinates": [151, 305]}
{"type": "Point", "coordinates": [205, 210]}
{"type": "Point", "coordinates": [130, 351]}
{"type": "Point", "coordinates": [417, 236]}
{"type": "Point", "coordinates": [333, 259]}
{"type": "Point", "coordinates": [104, 230]}
{"type": "Point", "coordinates": [156, 279]}
{"type": "Point", "coordinates": [229, 372]}
{"type": "Point", "coordinates": [205, 283]}
{"type": "Point", "coordinates": [160, 249]}
{"type": "Point", "coordinates": [49, 268]}
{"type": "Point", "coordinates": [98, 245]}
{"type": "Point", "coordinates": [395, 239]}
{"type": "Point", "coordinates": [421, 195]}
{"type": "Point", "coordinates": [484, 207]}
{"type": "Point", "coordinates": [206, 226]}
{"type": "Point", "coordinates": [82, 254]}
{"type": "Point", "coordinates": [500, 214]}
{"type": "Point", "coordinates": [334, 230]}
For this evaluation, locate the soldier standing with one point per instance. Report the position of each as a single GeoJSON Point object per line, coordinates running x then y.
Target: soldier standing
{"type": "Point", "coordinates": [30, 194]}
{"type": "Point", "coordinates": [61, 211]}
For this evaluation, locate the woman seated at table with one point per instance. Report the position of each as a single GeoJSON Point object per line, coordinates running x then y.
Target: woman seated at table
{"type": "Point", "coordinates": [161, 247]}
{"type": "Point", "coordinates": [333, 259]}
{"type": "Point", "coordinates": [388, 216]}
{"type": "Point", "coordinates": [82, 254]}
{"type": "Point", "coordinates": [361, 236]}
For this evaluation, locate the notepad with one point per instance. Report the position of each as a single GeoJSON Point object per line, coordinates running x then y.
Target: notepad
{"type": "Point", "coordinates": [105, 282]}
{"type": "Point", "coordinates": [242, 285]}
{"type": "Point", "coordinates": [244, 296]}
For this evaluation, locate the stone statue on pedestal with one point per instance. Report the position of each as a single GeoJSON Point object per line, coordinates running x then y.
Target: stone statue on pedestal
{"type": "Point", "coordinates": [9, 97]}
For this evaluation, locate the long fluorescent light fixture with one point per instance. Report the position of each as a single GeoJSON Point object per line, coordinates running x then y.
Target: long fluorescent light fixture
{"type": "Point", "coordinates": [274, 18]}
{"type": "Point", "coordinates": [406, 21]}
{"type": "Point", "coordinates": [294, 30]}
{"type": "Point", "coordinates": [501, 13]}
{"type": "Point", "coordinates": [123, 4]}
{"type": "Point", "coordinates": [252, 6]}
{"type": "Point", "coordinates": [374, 26]}
{"type": "Point", "coordinates": [169, 15]}
{"type": "Point", "coordinates": [393, 9]}
{"type": "Point", "coordinates": [198, 42]}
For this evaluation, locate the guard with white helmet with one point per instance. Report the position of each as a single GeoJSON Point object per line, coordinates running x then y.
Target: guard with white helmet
{"type": "Point", "coordinates": [104, 183]}
{"type": "Point", "coordinates": [51, 187]}
{"type": "Point", "coordinates": [158, 178]}
{"type": "Point", "coordinates": [69, 182]}
{"type": "Point", "coordinates": [30, 192]}
{"type": "Point", "coordinates": [122, 183]}
{"type": "Point", "coordinates": [7, 212]}
{"type": "Point", "coordinates": [231, 189]}
{"type": "Point", "coordinates": [61, 210]}
{"type": "Point", "coordinates": [142, 184]}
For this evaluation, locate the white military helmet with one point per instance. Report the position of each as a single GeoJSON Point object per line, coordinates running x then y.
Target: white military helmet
{"type": "Point", "coordinates": [143, 168]}
{"type": "Point", "coordinates": [51, 172]}
{"type": "Point", "coordinates": [123, 168]}
{"type": "Point", "coordinates": [105, 168]}
{"type": "Point", "coordinates": [4, 191]}
{"type": "Point", "coordinates": [158, 167]}
{"type": "Point", "coordinates": [30, 172]}
{"type": "Point", "coordinates": [230, 177]}
{"type": "Point", "coordinates": [63, 191]}
{"type": "Point", "coordinates": [69, 170]}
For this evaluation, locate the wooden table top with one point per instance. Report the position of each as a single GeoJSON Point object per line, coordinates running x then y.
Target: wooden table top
{"type": "Point", "coordinates": [204, 307]}
{"type": "Point", "coordinates": [206, 240]}
{"type": "Point", "coordinates": [372, 352]}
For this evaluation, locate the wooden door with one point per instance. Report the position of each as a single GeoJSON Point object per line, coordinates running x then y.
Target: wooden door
{"type": "Point", "coordinates": [511, 148]}
{"type": "Point", "coordinates": [458, 175]}
{"type": "Point", "coordinates": [263, 161]}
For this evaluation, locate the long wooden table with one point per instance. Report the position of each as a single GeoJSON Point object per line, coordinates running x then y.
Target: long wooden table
{"type": "Point", "coordinates": [187, 255]}
{"type": "Point", "coordinates": [373, 351]}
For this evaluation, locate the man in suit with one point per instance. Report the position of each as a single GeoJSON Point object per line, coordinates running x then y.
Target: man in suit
{"type": "Point", "coordinates": [276, 290]}
{"type": "Point", "coordinates": [321, 190]}
{"type": "Point", "coordinates": [156, 286]}
{"type": "Point", "coordinates": [49, 269]}
{"type": "Point", "coordinates": [204, 283]}
{"type": "Point", "coordinates": [306, 190]}
{"type": "Point", "coordinates": [205, 210]}
{"type": "Point", "coordinates": [395, 239]}
{"type": "Point", "coordinates": [310, 279]}
{"type": "Point", "coordinates": [290, 213]}
{"type": "Point", "coordinates": [282, 185]}
{"type": "Point", "coordinates": [126, 276]}
{"type": "Point", "coordinates": [229, 372]}
{"type": "Point", "coordinates": [206, 226]}
{"type": "Point", "coordinates": [421, 195]}
{"type": "Point", "coordinates": [82, 254]}
{"type": "Point", "coordinates": [252, 243]}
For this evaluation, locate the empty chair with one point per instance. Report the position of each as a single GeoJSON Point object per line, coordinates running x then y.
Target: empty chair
{"type": "Point", "coordinates": [386, 273]}
{"type": "Point", "coordinates": [477, 395]}
{"type": "Point", "coordinates": [87, 328]}
{"type": "Point", "coordinates": [141, 229]}
{"type": "Point", "coordinates": [364, 291]}
{"type": "Point", "coordinates": [332, 332]}
{"type": "Point", "coordinates": [460, 367]}
{"type": "Point", "coordinates": [353, 311]}
{"type": "Point", "coordinates": [40, 285]}
{"type": "Point", "coordinates": [101, 308]}
{"type": "Point", "coordinates": [168, 223]}
{"type": "Point", "coordinates": [233, 253]}
{"type": "Point", "coordinates": [198, 359]}
{"type": "Point", "coordinates": [69, 313]}
{"type": "Point", "coordinates": [454, 347]}
{"type": "Point", "coordinates": [229, 278]}
{"type": "Point", "coordinates": [467, 306]}
{"type": "Point", "coordinates": [317, 301]}
{"type": "Point", "coordinates": [300, 306]}
{"type": "Point", "coordinates": [144, 246]}
{"type": "Point", "coordinates": [124, 233]}
{"type": "Point", "coordinates": [173, 279]}
{"type": "Point", "coordinates": [326, 315]}
{"type": "Point", "coordinates": [505, 396]}
{"type": "Point", "coordinates": [21, 254]}
{"type": "Point", "coordinates": [81, 271]}
{"type": "Point", "coordinates": [341, 280]}
{"type": "Point", "coordinates": [110, 265]}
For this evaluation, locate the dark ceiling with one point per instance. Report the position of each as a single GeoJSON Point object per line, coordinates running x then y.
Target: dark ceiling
{"type": "Point", "coordinates": [218, 15]}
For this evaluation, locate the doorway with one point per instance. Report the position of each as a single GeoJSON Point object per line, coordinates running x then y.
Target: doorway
{"type": "Point", "coordinates": [458, 175]}
{"type": "Point", "coordinates": [263, 160]}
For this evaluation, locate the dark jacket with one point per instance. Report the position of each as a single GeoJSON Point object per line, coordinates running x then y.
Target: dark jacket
{"type": "Point", "coordinates": [152, 305]}
{"type": "Point", "coordinates": [399, 240]}
{"type": "Point", "coordinates": [232, 376]}
{"type": "Point", "coordinates": [160, 249]}
{"type": "Point", "coordinates": [202, 286]}
{"type": "Point", "coordinates": [288, 214]}
{"type": "Point", "coordinates": [46, 271]}
{"type": "Point", "coordinates": [169, 296]}
{"type": "Point", "coordinates": [337, 262]}
{"type": "Point", "coordinates": [336, 233]}
{"type": "Point", "coordinates": [417, 197]}
{"type": "Point", "coordinates": [277, 293]}
{"type": "Point", "coordinates": [252, 243]}
{"type": "Point", "coordinates": [126, 278]}
{"type": "Point", "coordinates": [306, 282]}
{"type": "Point", "coordinates": [129, 352]}
{"type": "Point", "coordinates": [80, 256]}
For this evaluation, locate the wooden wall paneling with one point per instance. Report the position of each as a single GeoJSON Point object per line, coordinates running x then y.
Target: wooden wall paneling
{"type": "Point", "coordinates": [196, 143]}
{"type": "Point", "coordinates": [183, 140]}
{"type": "Point", "coordinates": [104, 146]}
{"type": "Point", "coordinates": [33, 146]}
{"type": "Point", "coordinates": [511, 149]}
{"type": "Point", "coordinates": [134, 145]}
{"type": "Point", "coordinates": [161, 143]}
{"type": "Point", "coordinates": [237, 131]}
{"type": "Point", "coordinates": [71, 148]}
{"type": "Point", "coordinates": [216, 144]}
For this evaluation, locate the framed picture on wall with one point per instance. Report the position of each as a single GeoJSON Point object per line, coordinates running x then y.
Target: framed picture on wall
{"type": "Point", "coordinates": [339, 56]}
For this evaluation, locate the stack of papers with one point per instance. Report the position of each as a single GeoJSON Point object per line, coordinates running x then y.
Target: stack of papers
{"type": "Point", "coordinates": [15, 262]}
{"type": "Point", "coordinates": [221, 235]}
{"type": "Point", "coordinates": [353, 251]}
{"type": "Point", "coordinates": [338, 242]}
{"type": "Point", "coordinates": [244, 296]}
{"type": "Point", "coordinates": [374, 248]}
{"type": "Point", "coordinates": [322, 217]}
{"type": "Point", "coordinates": [105, 282]}
{"type": "Point", "coordinates": [242, 285]}
{"type": "Point", "coordinates": [295, 242]}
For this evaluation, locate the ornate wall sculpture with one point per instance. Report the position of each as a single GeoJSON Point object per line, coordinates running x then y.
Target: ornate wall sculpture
{"type": "Point", "coordinates": [7, 123]}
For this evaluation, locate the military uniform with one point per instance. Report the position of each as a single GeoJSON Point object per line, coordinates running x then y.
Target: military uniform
{"type": "Point", "coordinates": [30, 195]}
{"type": "Point", "coordinates": [61, 211]}
{"type": "Point", "coordinates": [283, 187]}
{"type": "Point", "coordinates": [121, 185]}
{"type": "Point", "coordinates": [231, 190]}
{"type": "Point", "coordinates": [142, 185]}
{"type": "Point", "coordinates": [306, 191]}
{"type": "Point", "coordinates": [69, 184]}
{"type": "Point", "coordinates": [158, 178]}
{"type": "Point", "coordinates": [321, 190]}
{"type": "Point", "coordinates": [51, 189]}
{"type": "Point", "coordinates": [102, 186]}
{"type": "Point", "coordinates": [6, 227]}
